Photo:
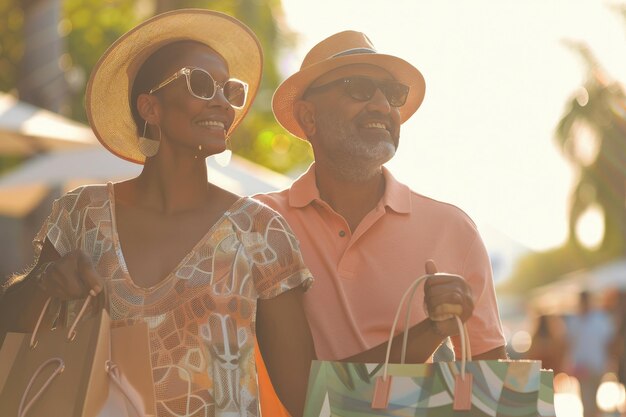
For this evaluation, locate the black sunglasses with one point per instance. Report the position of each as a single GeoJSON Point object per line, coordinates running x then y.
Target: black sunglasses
{"type": "Point", "coordinates": [203, 86]}
{"type": "Point", "coordinates": [364, 88]}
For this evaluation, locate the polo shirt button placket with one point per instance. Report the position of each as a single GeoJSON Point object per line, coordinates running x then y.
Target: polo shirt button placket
{"type": "Point", "coordinates": [342, 233]}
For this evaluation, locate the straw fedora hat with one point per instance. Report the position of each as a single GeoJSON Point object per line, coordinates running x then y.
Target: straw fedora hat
{"type": "Point", "coordinates": [107, 99]}
{"type": "Point", "coordinates": [343, 48]}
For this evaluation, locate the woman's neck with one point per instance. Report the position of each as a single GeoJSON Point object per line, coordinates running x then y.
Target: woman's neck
{"type": "Point", "coordinates": [171, 186]}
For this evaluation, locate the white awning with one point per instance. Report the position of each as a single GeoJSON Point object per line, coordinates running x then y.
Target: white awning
{"type": "Point", "coordinates": [26, 129]}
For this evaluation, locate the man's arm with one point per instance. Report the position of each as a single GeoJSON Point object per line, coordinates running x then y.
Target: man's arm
{"type": "Point", "coordinates": [443, 294]}
{"type": "Point", "coordinates": [497, 353]}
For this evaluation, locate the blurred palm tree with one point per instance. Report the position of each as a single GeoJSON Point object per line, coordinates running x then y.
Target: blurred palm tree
{"type": "Point", "coordinates": [592, 136]}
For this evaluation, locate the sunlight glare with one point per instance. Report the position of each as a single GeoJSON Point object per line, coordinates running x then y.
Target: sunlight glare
{"type": "Point", "coordinates": [586, 144]}
{"type": "Point", "coordinates": [610, 394]}
{"type": "Point", "coordinates": [590, 227]}
{"type": "Point", "coordinates": [567, 405]}
{"type": "Point", "coordinates": [582, 96]}
{"type": "Point", "coordinates": [521, 341]}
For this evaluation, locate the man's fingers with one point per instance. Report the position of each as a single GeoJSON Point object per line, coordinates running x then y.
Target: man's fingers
{"type": "Point", "coordinates": [448, 309]}
{"type": "Point", "coordinates": [447, 295]}
{"type": "Point", "coordinates": [431, 268]}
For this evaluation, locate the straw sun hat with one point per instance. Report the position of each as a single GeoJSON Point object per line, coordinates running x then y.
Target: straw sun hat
{"type": "Point", "coordinates": [338, 50]}
{"type": "Point", "coordinates": [108, 90]}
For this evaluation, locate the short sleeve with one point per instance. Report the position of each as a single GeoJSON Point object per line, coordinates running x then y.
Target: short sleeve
{"type": "Point", "coordinates": [278, 266]}
{"type": "Point", "coordinates": [58, 228]}
{"type": "Point", "coordinates": [64, 226]}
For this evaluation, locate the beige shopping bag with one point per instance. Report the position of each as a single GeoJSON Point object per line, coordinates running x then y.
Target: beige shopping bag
{"type": "Point", "coordinates": [56, 371]}
{"type": "Point", "coordinates": [86, 370]}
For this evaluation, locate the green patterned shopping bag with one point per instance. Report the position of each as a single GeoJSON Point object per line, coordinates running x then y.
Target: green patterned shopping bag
{"type": "Point", "coordinates": [499, 389]}
{"type": "Point", "coordinates": [494, 388]}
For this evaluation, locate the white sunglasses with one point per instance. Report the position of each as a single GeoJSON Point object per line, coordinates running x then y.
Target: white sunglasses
{"type": "Point", "coordinates": [203, 86]}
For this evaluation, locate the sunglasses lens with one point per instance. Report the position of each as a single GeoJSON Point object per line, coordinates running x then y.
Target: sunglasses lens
{"type": "Point", "coordinates": [235, 93]}
{"type": "Point", "coordinates": [361, 89]}
{"type": "Point", "coordinates": [396, 93]}
{"type": "Point", "coordinates": [201, 84]}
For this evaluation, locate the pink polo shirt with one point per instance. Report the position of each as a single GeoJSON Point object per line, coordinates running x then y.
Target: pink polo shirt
{"type": "Point", "coordinates": [361, 276]}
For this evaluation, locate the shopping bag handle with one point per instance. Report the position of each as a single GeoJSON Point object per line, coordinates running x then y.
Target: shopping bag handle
{"type": "Point", "coordinates": [71, 334]}
{"type": "Point", "coordinates": [23, 409]}
{"type": "Point", "coordinates": [463, 386]}
{"type": "Point", "coordinates": [131, 394]}
{"type": "Point", "coordinates": [410, 294]}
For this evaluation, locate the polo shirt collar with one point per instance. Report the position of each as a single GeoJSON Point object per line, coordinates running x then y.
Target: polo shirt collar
{"type": "Point", "coordinates": [304, 191]}
{"type": "Point", "coordinates": [397, 195]}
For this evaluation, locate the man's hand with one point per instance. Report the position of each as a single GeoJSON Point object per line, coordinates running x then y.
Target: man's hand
{"type": "Point", "coordinates": [446, 295]}
{"type": "Point", "coordinates": [69, 277]}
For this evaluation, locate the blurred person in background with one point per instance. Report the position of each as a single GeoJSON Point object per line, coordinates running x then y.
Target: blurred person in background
{"type": "Point", "coordinates": [589, 334]}
{"type": "Point", "coordinates": [618, 345]}
{"type": "Point", "coordinates": [549, 343]}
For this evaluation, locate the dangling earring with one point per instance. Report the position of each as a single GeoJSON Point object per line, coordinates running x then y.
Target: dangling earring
{"type": "Point", "coordinates": [149, 147]}
{"type": "Point", "coordinates": [223, 159]}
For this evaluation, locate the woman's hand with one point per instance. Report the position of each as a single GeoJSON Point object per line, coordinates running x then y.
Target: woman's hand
{"type": "Point", "coordinates": [446, 295]}
{"type": "Point", "coordinates": [69, 277]}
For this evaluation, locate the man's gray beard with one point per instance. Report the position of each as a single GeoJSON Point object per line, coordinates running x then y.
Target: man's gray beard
{"type": "Point", "coordinates": [353, 159]}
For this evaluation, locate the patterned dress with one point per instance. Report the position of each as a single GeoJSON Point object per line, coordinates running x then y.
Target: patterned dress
{"type": "Point", "coordinates": [201, 317]}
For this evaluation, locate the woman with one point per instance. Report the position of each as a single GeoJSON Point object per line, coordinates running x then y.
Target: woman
{"type": "Point", "coordinates": [201, 265]}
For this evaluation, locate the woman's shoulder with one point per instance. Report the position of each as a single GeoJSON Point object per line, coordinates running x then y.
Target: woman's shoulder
{"type": "Point", "coordinates": [255, 214]}
{"type": "Point", "coordinates": [84, 196]}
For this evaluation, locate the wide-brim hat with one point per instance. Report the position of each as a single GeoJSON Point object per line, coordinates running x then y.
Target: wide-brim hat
{"type": "Point", "coordinates": [338, 50]}
{"type": "Point", "coordinates": [109, 88]}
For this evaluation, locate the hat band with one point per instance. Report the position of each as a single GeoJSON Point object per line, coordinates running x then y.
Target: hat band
{"type": "Point", "coordinates": [354, 51]}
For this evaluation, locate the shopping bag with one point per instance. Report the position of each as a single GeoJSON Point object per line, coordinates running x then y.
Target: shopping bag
{"type": "Point", "coordinates": [56, 371]}
{"type": "Point", "coordinates": [495, 388]}
{"type": "Point", "coordinates": [88, 370]}
{"type": "Point", "coordinates": [131, 384]}
{"type": "Point", "coordinates": [500, 388]}
{"type": "Point", "coordinates": [545, 404]}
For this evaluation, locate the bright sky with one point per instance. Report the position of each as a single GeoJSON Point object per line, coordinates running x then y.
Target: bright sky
{"type": "Point", "coordinates": [497, 79]}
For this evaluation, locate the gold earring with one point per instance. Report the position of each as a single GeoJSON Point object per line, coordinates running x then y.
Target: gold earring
{"type": "Point", "coordinates": [149, 147]}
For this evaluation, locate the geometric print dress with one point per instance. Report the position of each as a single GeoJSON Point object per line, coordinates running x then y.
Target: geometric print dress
{"type": "Point", "coordinates": [201, 318]}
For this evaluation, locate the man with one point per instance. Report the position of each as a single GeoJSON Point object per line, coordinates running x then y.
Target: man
{"type": "Point", "coordinates": [365, 236]}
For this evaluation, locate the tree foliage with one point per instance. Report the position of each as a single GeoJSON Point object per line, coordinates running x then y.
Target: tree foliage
{"type": "Point", "coordinates": [90, 26]}
{"type": "Point", "coordinates": [11, 44]}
